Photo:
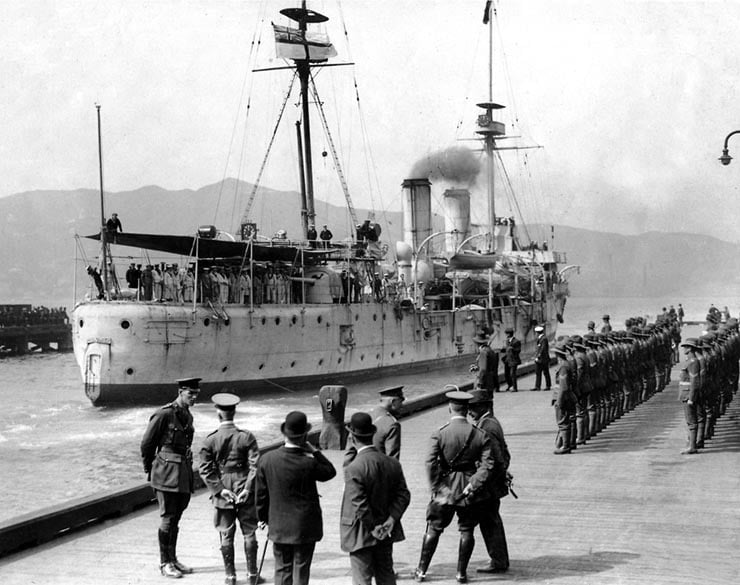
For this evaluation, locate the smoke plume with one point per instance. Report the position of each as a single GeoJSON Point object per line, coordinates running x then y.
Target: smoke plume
{"type": "Point", "coordinates": [457, 164]}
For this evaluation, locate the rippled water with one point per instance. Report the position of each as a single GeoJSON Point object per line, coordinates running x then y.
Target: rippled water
{"type": "Point", "coordinates": [55, 446]}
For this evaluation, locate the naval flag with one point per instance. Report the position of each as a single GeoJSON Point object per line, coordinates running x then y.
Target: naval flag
{"type": "Point", "coordinates": [292, 43]}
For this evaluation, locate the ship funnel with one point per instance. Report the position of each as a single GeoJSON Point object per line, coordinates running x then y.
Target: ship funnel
{"type": "Point", "coordinates": [457, 217]}
{"type": "Point", "coordinates": [417, 211]}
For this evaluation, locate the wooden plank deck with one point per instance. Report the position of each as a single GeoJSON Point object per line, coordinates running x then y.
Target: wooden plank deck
{"type": "Point", "coordinates": [625, 509]}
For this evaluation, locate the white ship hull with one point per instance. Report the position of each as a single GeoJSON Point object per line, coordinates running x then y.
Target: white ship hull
{"type": "Point", "coordinates": [132, 352]}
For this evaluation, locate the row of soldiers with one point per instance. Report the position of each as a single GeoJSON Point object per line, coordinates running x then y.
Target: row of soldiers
{"type": "Point", "coordinates": [709, 380]}
{"type": "Point", "coordinates": [600, 376]}
{"type": "Point", "coordinates": [15, 316]}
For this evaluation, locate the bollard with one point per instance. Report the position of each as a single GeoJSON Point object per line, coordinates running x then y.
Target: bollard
{"type": "Point", "coordinates": [333, 402]}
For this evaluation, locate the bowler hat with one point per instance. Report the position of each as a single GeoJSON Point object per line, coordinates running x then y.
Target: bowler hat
{"type": "Point", "coordinates": [606, 317]}
{"type": "Point", "coordinates": [480, 339]}
{"type": "Point", "coordinates": [295, 424]}
{"type": "Point", "coordinates": [508, 330]}
{"type": "Point", "coordinates": [361, 425]}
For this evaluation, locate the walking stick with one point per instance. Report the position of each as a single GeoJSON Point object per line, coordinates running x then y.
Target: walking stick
{"type": "Point", "coordinates": [262, 561]}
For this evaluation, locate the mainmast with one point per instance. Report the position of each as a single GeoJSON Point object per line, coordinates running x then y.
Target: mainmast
{"type": "Point", "coordinates": [490, 129]}
{"type": "Point", "coordinates": [303, 16]}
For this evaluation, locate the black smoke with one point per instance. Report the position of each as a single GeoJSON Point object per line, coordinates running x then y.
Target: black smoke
{"type": "Point", "coordinates": [457, 164]}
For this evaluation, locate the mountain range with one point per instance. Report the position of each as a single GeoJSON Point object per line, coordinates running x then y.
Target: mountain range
{"type": "Point", "coordinates": [37, 230]}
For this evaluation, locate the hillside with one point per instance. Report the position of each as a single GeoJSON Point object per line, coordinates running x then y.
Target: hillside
{"type": "Point", "coordinates": [38, 248]}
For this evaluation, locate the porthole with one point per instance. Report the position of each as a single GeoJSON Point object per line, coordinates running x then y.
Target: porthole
{"type": "Point", "coordinates": [261, 366]}
{"type": "Point", "coordinates": [321, 362]}
{"type": "Point", "coordinates": [318, 319]}
{"type": "Point", "coordinates": [292, 364]}
{"type": "Point", "coordinates": [82, 323]}
{"type": "Point", "coordinates": [264, 320]}
{"type": "Point", "coordinates": [377, 356]}
{"type": "Point", "coordinates": [384, 316]}
{"type": "Point", "coordinates": [362, 357]}
{"type": "Point", "coordinates": [357, 317]}
{"type": "Point", "coordinates": [393, 354]}
{"type": "Point", "coordinates": [294, 319]}
{"type": "Point", "coordinates": [339, 361]}
{"type": "Point", "coordinates": [224, 368]}
{"type": "Point", "coordinates": [125, 324]}
{"type": "Point", "coordinates": [129, 371]}
{"type": "Point", "coordinates": [206, 321]}
{"type": "Point", "coordinates": [375, 317]}
{"type": "Point", "coordinates": [277, 320]}
{"type": "Point", "coordinates": [401, 352]}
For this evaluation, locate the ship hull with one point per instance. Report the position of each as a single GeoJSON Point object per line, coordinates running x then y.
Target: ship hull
{"type": "Point", "coordinates": [132, 352]}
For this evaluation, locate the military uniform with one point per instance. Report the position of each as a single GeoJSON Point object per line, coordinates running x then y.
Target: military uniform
{"type": "Point", "coordinates": [564, 400]}
{"type": "Point", "coordinates": [491, 525]}
{"type": "Point", "coordinates": [228, 466]}
{"type": "Point", "coordinates": [168, 463]}
{"type": "Point", "coordinates": [387, 438]}
{"type": "Point", "coordinates": [689, 393]}
{"type": "Point", "coordinates": [459, 462]}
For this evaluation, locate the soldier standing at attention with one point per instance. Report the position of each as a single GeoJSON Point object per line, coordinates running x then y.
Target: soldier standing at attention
{"type": "Point", "coordinates": [689, 393]}
{"type": "Point", "coordinates": [168, 463]}
{"type": "Point", "coordinates": [606, 327]}
{"type": "Point", "coordinates": [511, 359]}
{"type": "Point", "coordinates": [486, 366]}
{"type": "Point", "coordinates": [459, 463]}
{"type": "Point", "coordinates": [491, 526]}
{"type": "Point", "coordinates": [375, 497]}
{"type": "Point", "coordinates": [387, 438]}
{"type": "Point", "coordinates": [564, 400]}
{"type": "Point", "coordinates": [228, 466]}
{"type": "Point", "coordinates": [288, 501]}
{"type": "Point", "coordinates": [542, 360]}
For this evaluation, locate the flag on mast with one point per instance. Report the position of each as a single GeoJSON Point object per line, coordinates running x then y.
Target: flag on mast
{"type": "Point", "coordinates": [292, 43]}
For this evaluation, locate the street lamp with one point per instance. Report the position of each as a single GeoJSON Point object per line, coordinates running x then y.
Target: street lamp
{"type": "Point", "coordinates": [726, 159]}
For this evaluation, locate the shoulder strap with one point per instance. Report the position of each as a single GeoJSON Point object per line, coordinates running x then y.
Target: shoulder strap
{"type": "Point", "coordinates": [465, 446]}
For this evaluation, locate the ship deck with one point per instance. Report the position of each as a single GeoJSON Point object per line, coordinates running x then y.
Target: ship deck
{"type": "Point", "coordinates": [625, 508]}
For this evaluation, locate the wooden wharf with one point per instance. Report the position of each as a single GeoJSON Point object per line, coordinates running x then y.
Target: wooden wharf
{"type": "Point", "coordinates": [626, 508]}
{"type": "Point", "coordinates": [20, 339]}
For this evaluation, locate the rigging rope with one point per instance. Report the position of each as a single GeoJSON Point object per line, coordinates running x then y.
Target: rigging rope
{"type": "Point", "coordinates": [253, 193]}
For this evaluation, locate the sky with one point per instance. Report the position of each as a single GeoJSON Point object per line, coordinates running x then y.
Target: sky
{"type": "Point", "coordinates": [627, 103]}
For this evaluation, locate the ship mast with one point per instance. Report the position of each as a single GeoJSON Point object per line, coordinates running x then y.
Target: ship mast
{"type": "Point", "coordinates": [303, 16]}
{"type": "Point", "coordinates": [489, 130]}
{"type": "Point", "coordinates": [103, 234]}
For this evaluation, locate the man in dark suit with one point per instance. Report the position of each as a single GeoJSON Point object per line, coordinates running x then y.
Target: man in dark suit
{"type": "Point", "coordinates": [542, 360]}
{"type": "Point", "coordinates": [459, 463]}
{"type": "Point", "coordinates": [486, 366]}
{"type": "Point", "coordinates": [511, 359]}
{"type": "Point", "coordinates": [375, 497]}
{"type": "Point", "coordinates": [168, 463]}
{"type": "Point", "coordinates": [288, 501]}
{"type": "Point", "coordinates": [491, 526]}
{"type": "Point", "coordinates": [228, 466]}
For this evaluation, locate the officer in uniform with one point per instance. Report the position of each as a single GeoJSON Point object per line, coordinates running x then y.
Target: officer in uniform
{"type": "Point", "coordinates": [168, 463]}
{"type": "Point", "coordinates": [486, 366]}
{"type": "Point", "coordinates": [459, 463]}
{"type": "Point", "coordinates": [228, 466]}
{"type": "Point", "coordinates": [511, 359]}
{"type": "Point", "coordinates": [689, 393]}
{"type": "Point", "coordinates": [542, 360]}
{"type": "Point", "coordinates": [491, 525]}
{"type": "Point", "coordinates": [387, 438]}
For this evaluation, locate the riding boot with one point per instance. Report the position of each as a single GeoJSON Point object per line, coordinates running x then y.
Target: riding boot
{"type": "Point", "coordinates": [593, 422]}
{"type": "Point", "coordinates": [166, 567]}
{"type": "Point", "coordinates": [428, 546]}
{"type": "Point", "coordinates": [572, 436]}
{"type": "Point", "coordinates": [227, 552]}
{"type": "Point", "coordinates": [700, 435]}
{"type": "Point", "coordinates": [185, 570]}
{"type": "Point", "coordinates": [465, 551]}
{"type": "Point", "coordinates": [580, 430]}
{"type": "Point", "coordinates": [691, 449]}
{"type": "Point", "coordinates": [562, 442]}
{"type": "Point", "coordinates": [250, 550]}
